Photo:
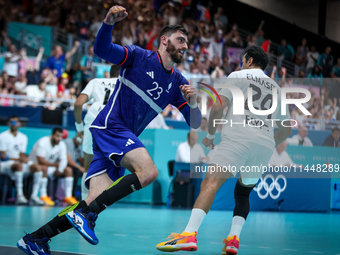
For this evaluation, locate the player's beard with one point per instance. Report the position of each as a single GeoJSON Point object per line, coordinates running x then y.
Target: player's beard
{"type": "Point", "coordinates": [174, 54]}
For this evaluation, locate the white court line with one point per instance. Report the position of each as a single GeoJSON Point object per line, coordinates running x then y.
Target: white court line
{"type": "Point", "coordinates": [143, 236]}
{"type": "Point", "coordinates": [262, 247]}
{"type": "Point", "coordinates": [289, 250]}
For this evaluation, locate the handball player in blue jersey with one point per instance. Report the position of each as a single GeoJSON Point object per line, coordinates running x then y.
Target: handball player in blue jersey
{"type": "Point", "coordinates": [148, 82]}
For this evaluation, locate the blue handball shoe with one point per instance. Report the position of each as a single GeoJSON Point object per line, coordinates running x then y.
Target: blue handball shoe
{"type": "Point", "coordinates": [84, 223]}
{"type": "Point", "coordinates": [34, 246]}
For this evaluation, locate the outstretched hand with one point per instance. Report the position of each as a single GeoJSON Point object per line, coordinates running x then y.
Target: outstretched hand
{"type": "Point", "coordinates": [115, 14]}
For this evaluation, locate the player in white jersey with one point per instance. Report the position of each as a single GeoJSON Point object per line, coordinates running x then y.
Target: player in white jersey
{"type": "Point", "coordinates": [15, 163]}
{"type": "Point", "coordinates": [98, 90]}
{"type": "Point", "coordinates": [50, 152]}
{"type": "Point", "coordinates": [240, 146]}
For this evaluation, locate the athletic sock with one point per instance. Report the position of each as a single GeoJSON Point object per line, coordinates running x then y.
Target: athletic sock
{"type": "Point", "coordinates": [120, 188]}
{"type": "Point", "coordinates": [18, 176]}
{"type": "Point", "coordinates": [36, 183]}
{"type": "Point", "coordinates": [236, 226]}
{"type": "Point", "coordinates": [195, 221]}
{"type": "Point", "coordinates": [68, 186]}
{"type": "Point", "coordinates": [43, 187]}
{"type": "Point", "coordinates": [59, 223]}
{"type": "Point", "coordinates": [84, 190]}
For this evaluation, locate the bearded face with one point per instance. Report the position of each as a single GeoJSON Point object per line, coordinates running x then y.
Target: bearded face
{"type": "Point", "coordinates": [175, 54]}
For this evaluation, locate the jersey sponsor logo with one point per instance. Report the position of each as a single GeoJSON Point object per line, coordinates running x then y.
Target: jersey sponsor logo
{"type": "Point", "coordinates": [16, 147]}
{"type": "Point", "coordinates": [169, 87]}
{"type": "Point", "coordinates": [129, 142]}
{"type": "Point", "coordinates": [150, 74]}
{"type": "Point", "coordinates": [269, 188]}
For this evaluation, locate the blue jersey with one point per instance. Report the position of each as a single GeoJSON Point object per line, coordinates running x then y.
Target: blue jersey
{"type": "Point", "coordinates": [144, 88]}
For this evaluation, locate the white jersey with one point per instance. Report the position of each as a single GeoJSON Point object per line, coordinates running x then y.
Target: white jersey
{"type": "Point", "coordinates": [13, 145]}
{"type": "Point", "coordinates": [43, 148]}
{"type": "Point", "coordinates": [247, 127]}
{"type": "Point", "coordinates": [100, 91]}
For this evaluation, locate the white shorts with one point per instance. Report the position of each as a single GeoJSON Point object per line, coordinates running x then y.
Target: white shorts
{"type": "Point", "coordinates": [246, 158]}
{"type": "Point", "coordinates": [87, 140]}
{"type": "Point", "coordinates": [50, 171]}
{"type": "Point", "coordinates": [6, 167]}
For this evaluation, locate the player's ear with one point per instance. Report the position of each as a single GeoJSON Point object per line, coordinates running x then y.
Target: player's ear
{"type": "Point", "coordinates": [250, 61]}
{"type": "Point", "coordinates": [164, 40]}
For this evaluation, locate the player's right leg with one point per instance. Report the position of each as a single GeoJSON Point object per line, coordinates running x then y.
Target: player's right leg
{"type": "Point", "coordinates": [186, 241]}
{"type": "Point", "coordinates": [87, 160]}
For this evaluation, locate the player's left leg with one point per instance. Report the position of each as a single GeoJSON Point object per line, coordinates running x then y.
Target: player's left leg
{"type": "Point", "coordinates": [37, 241]}
{"type": "Point", "coordinates": [19, 184]}
{"type": "Point", "coordinates": [37, 172]}
{"type": "Point", "coordinates": [259, 157]}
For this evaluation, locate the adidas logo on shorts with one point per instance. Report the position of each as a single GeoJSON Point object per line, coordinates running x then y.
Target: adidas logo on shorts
{"type": "Point", "coordinates": [129, 142]}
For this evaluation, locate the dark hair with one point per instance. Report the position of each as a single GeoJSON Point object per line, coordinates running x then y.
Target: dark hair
{"type": "Point", "coordinates": [114, 71]}
{"type": "Point", "coordinates": [56, 130]}
{"type": "Point", "coordinates": [13, 117]}
{"type": "Point", "coordinates": [169, 30]}
{"type": "Point", "coordinates": [335, 129]}
{"type": "Point", "coordinates": [259, 56]}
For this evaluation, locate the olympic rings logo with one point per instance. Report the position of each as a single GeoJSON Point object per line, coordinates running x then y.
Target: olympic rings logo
{"type": "Point", "coordinates": [269, 188]}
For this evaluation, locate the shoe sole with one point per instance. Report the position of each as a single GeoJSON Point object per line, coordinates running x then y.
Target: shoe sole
{"type": "Point", "coordinates": [173, 248]}
{"type": "Point", "coordinates": [231, 252]}
{"type": "Point", "coordinates": [19, 245]}
{"type": "Point", "coordinates": [91, 241]}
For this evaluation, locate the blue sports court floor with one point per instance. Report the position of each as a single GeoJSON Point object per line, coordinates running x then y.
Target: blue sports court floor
{"type": "Point", "coordinates": [136, 229]}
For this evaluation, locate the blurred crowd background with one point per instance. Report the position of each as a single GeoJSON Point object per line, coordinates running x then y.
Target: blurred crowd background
{"type": "Point", "coordinates": [31, 75]}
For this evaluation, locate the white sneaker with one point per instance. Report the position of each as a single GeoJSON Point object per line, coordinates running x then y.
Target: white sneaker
{"type": "Point", "coordinates": [34, 200]}
{"type": "Point", "coordinates": [21, 200]}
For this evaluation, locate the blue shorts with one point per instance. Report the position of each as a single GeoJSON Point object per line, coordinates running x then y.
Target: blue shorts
{"type": "Point", "coordinates": [109, 147]}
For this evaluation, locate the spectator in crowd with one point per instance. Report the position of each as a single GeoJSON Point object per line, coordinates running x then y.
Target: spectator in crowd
{"type": "Point", "coordinates": [285, 50]}
{"type": "Point", "coordinates": [333, 139]}
{"type": "Point", "coordinates": [221, 20]}
{"type": "Point", "coordinates": [20, 84]}
{"type": "Point", "coordinates": [83, 26]}
{"type": "Point", "coordinates": [56, 62]}
{"type": "Point", "coordinates": [204, 125]}
{"type": "Point", "coordinates": [190, 151]}
{"type": "Point", "coordinates": [325, 57]}
{"type": "Point", "coordinates": [259, 34]}
{"type": "Point", "coordinates": [11, 66]}
{"type": "Point", "coordinates": [300, 138]}
{"type": "Point", "coordinates": [13, 145]}
{"type": "Point", "coordinates": [141, 42]}
{"type": "Point", "coordinates": [315, 78]}
{"type": "Point", "coordinates": [48, 76]}
{"type": "Point", "coordinates": [301, 54]}
{"type": "Point", "coordinates": [75, 160]}
{"type": "Point", "coordinates": [33, 72]}
{"type": "Point", "coordinates": [41, 93]}
{"type": "Point", "coordinates": [336, 70]}
{"type": "Point", "coordinates": [64, 80]}
{"type": "Point", "coordinates": [280, 156]}
{"type": "Point", "coordinates": [312, 59]}
{"type": "Point", "coordinates": [86, 65]}
{"type": "Point", "coordinates": [50, 152]}
{"type": "Point", "coordinates": [279, 74]}
{"type": "Point", "coordinates": [95, 26]}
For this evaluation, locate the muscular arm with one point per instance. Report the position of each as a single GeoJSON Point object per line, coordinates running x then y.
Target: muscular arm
{"type": "Point", "coordinates": [216, 113]}
{"type": "Point", "coordinates": [282, 132]}
{"type": "Point", "coordinates": [78, 107]}
{"type": "Point", "coordinates": [195, 120]}
{"type": "Point", "coordinates": [104, 48]}
{"type": "Point", "coordinates": [44, 162]}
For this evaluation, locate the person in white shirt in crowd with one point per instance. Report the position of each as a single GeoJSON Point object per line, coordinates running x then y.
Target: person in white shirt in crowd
{"type": "Point", "coordinates": [50, 152]}
{"type": "Point", "coordinates": [280, 156]}
{"type": "Point", "coordinates": [15, 163]}
{"type": "Point", "coordinates": [75, 159]}
{"type": "Point", "coordinates": [301, 138]}
{"type": "Point", "coordinates": [98, 90]}
{"type": "Point", "coordinates": [190, 151]}
{"type": "Point", "coordinates": [12, 57]}
{"type": "Point", "coordinates": [20, 84]}
{"type": "Point", "coordinates": [312, 59]}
